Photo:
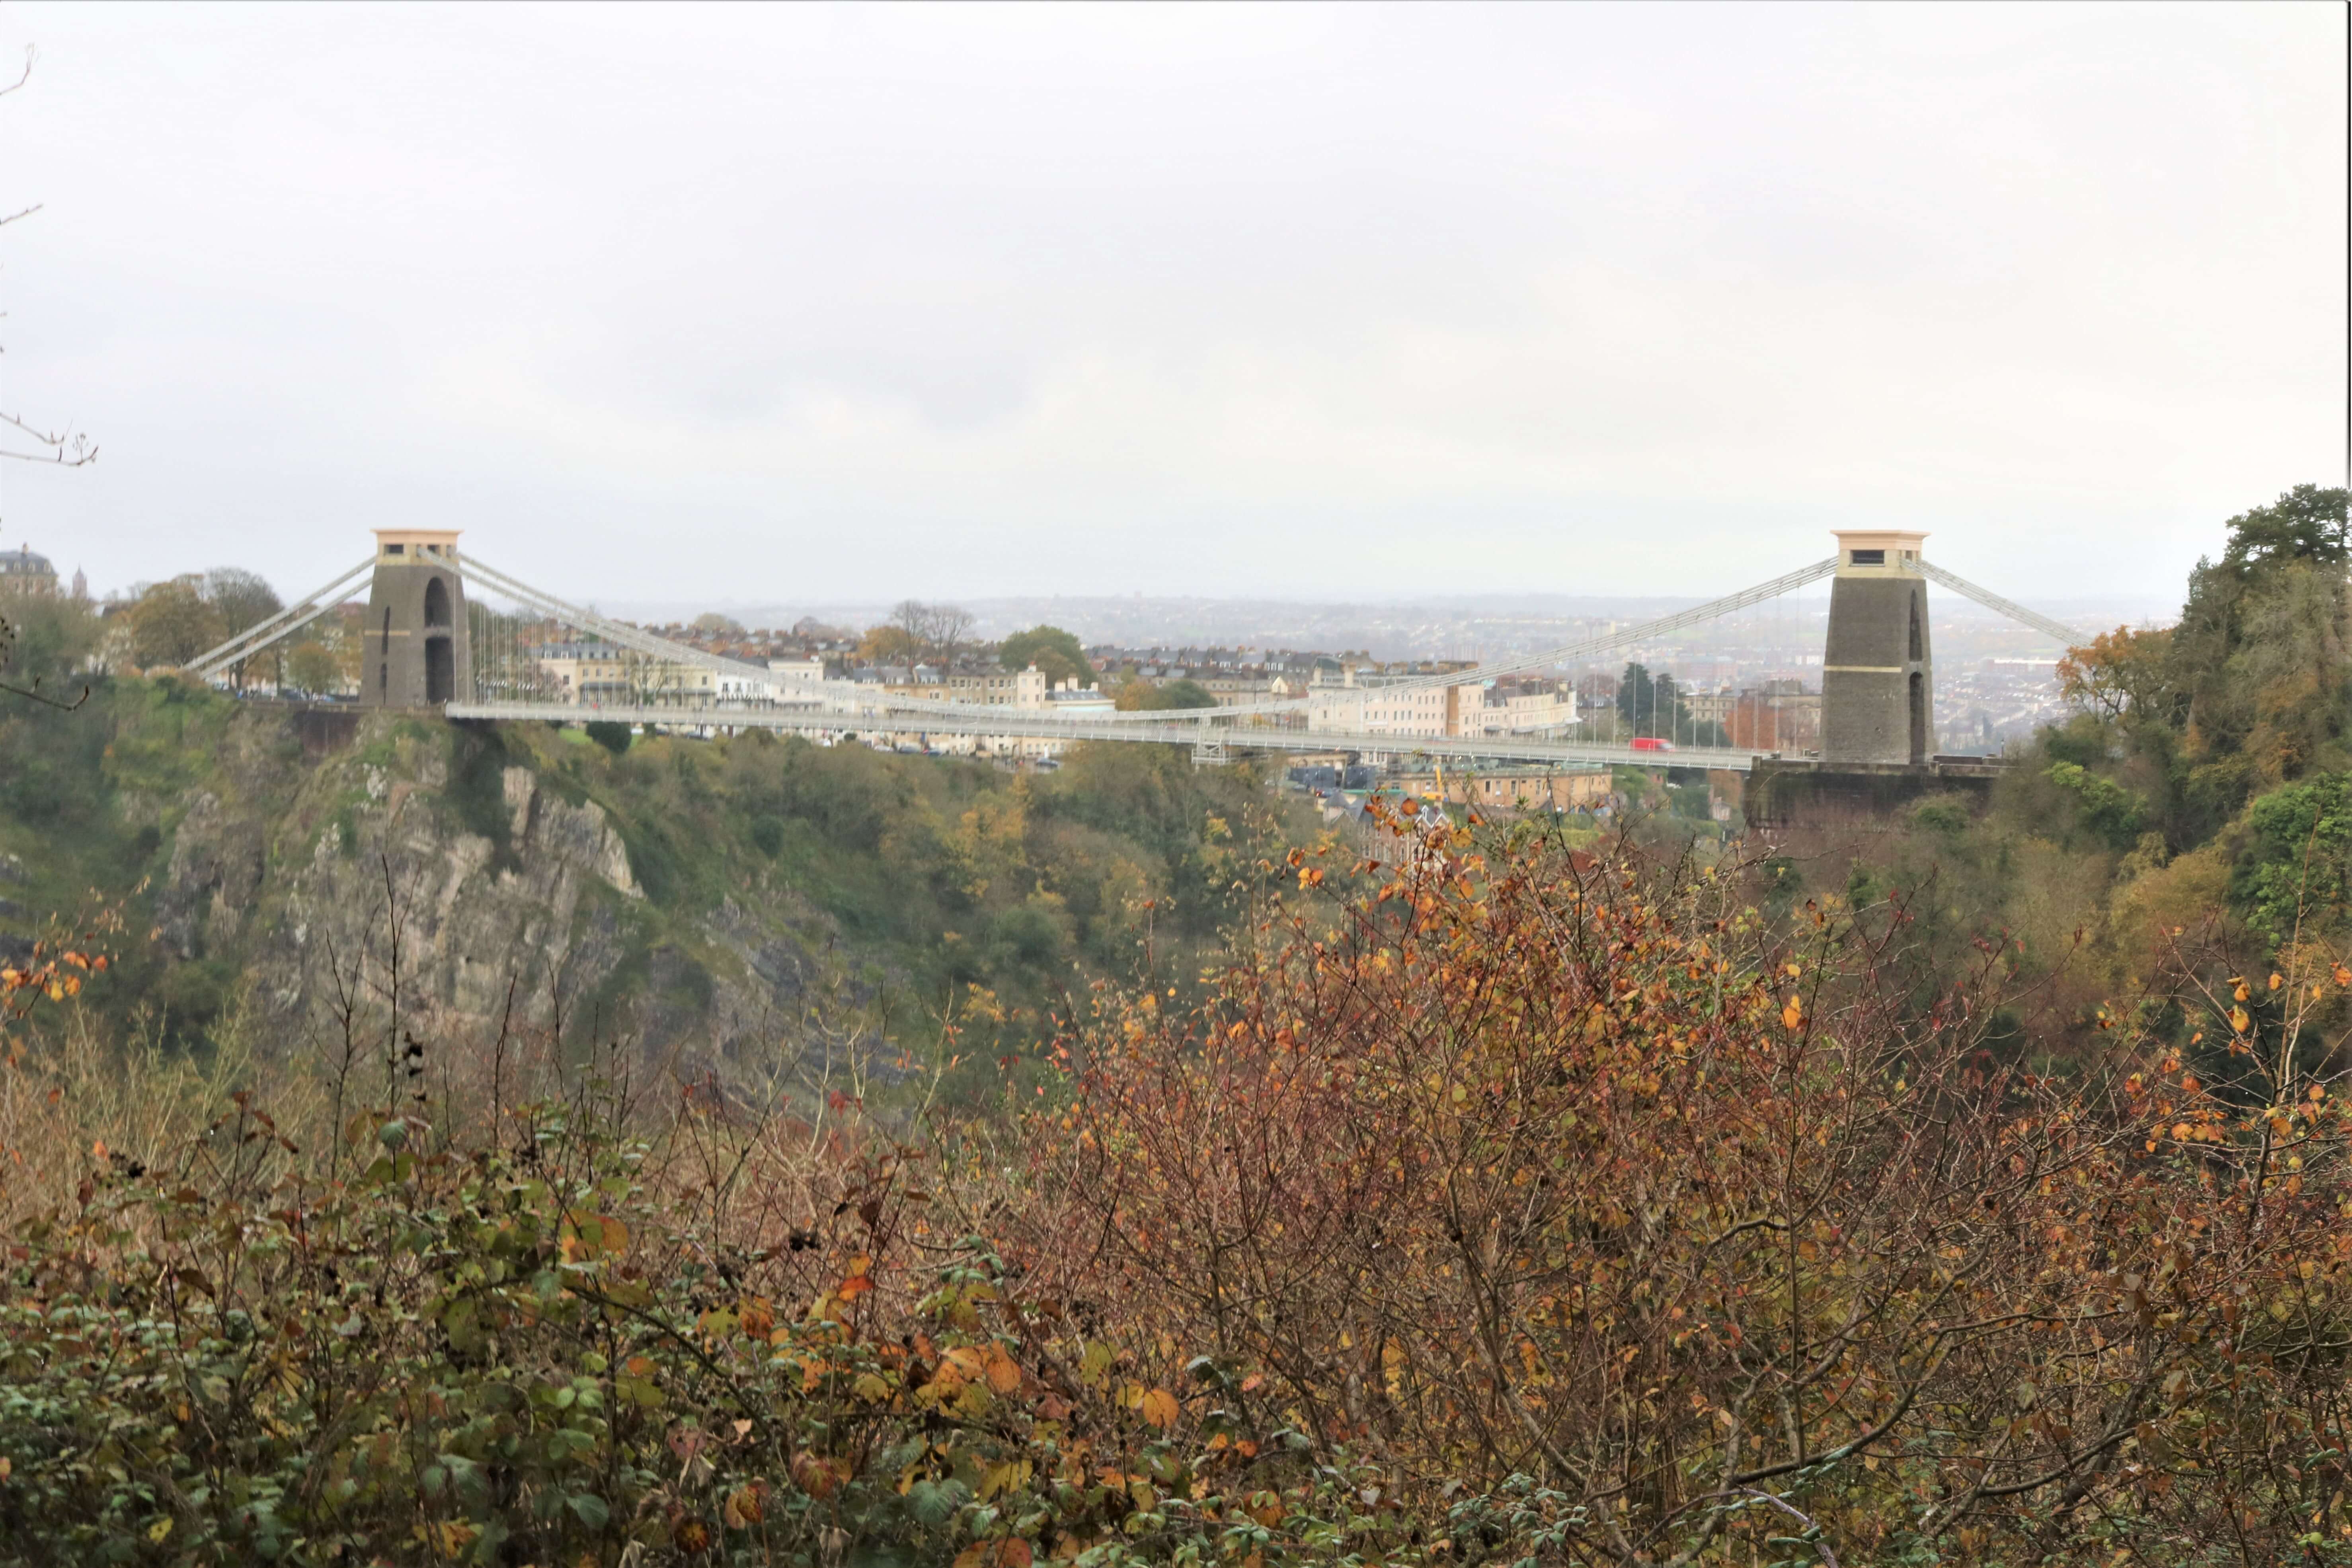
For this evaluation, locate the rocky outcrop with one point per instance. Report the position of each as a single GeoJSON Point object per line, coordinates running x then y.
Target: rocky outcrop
{"type": "Point", "coordinates": [358, 875]}
{"type": "Point", "coordinates": [218, 860]}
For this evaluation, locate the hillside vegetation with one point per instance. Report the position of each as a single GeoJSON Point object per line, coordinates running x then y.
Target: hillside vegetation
{"type": "Point", "coordinates": [1490, 1196]}
{"type": "Point", "coordinates": [2196, 810]}
{"type": "Point", "coordinates": [713, 897]}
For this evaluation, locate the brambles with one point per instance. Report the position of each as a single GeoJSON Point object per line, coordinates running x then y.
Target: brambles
{"type": "Point", "coordinates": [1501, 1201]}
{"type": "Point", "coordinates": [1570, 1174]}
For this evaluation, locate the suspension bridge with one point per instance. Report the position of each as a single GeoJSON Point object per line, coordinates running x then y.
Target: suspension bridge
{"type": "Point", "coordinates": [512, 651]}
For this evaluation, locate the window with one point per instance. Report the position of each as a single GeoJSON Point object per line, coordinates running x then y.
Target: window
{"type": "Point", "coordinates": [1869, 557]}
{"type": "Point", "coordinates": [396, 550]}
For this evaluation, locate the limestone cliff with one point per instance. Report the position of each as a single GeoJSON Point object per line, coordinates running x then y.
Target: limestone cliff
{"type": "Point", "coordinates": [301, 874]}
{"type": "Point", "coordinates": [724, 903]}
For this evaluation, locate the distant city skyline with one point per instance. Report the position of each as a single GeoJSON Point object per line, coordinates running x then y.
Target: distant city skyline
{"type": "Point", "coordinates": [842, 304]}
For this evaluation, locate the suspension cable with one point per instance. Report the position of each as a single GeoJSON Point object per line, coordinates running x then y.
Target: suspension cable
{"type": "Point", "coordinates": [285, 623]}
{"type": "Point", "coordinates": [2067, 635]}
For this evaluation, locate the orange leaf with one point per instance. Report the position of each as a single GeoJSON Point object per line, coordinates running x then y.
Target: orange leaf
{"type": "Point", "coordinates": [1160, 1408]}
{"type": "Point", "coordinates": [854, 1287]}
{"type": "Point", "coordinates": [816, 1476]}
{"type": "Point", "coordinates": [1793, 1015]}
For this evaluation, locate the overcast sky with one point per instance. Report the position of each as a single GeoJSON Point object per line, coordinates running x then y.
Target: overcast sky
{"type": "Point", "coordinates": [807, 303]}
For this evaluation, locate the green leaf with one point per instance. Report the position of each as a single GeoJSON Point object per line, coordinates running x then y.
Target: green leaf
{"type": "Point", "coordinates": [935, 1502]}
{"type": "Point", "coordinates": [590, 1507]}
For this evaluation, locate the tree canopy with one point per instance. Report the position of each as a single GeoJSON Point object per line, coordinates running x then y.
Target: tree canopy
{"type": "Point", "coordinates": [1139, 695]}
{"type": "Point", "coordinates": [1056, 654]}
{"type": "Point", "coordinates": [2305, 524]}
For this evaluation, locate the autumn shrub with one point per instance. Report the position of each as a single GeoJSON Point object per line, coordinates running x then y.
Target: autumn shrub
{"type": "Point", "coordinates": [589, 1333]}
{"type": "Point", "coordinates": [1514, 1171]}
{"type": "Point", "coordinates": [1501, 1202]}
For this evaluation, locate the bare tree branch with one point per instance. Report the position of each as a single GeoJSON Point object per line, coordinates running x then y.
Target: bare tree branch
{"type": "Point", "coordinates": [68, 449]}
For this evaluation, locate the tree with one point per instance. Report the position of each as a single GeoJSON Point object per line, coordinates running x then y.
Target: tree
{"type": "Point", "coordinates": [241, 599]}
{"type": "Point", "coordinates": [1137, 695]}
{"type": "Point", "coordinates": [313, 668]}
{"type": "Point", "coordinates": [47, 640]}
{"type": "Point", "coordinates": [613, 737]}
{"type": "Point", "coordinates": [172, 623]}
{"type": "Point", "coordinates": [2306, 523]}
{"type": "Point", "coordinates": [2261, 658]}
{"type": "Point", "coordinates": [889, 644]}
{"type": "Point", "coordinates": [2121, 671]}
{"type": "Point", "coordinates": [950, 630]}
{"type": "Point", "coordinates": [931, 632]}
{"type": "Point", "coordinates": [1649, 705]}
{"type": "Point", "coordinates": [1653, 705]}
{"type": "Point", "coordinates": [1056, 654]}
{"type": "Point", "coordinates": [710, 623]}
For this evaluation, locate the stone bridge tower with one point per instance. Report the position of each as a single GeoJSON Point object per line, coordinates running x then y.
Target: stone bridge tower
{"type": "Point", "coordinates": [1878, 685]}
{"type": "Point", "coordinates": [417, 649]}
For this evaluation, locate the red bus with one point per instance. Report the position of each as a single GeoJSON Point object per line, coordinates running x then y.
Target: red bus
{"type": "Point", "coordinates": [1650, 743]}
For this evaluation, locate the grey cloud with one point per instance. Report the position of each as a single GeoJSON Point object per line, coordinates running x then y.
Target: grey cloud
{"type": "Point", "coordinates": [861, 300]}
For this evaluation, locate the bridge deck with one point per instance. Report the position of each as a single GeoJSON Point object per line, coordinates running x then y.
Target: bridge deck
{"type": "Point", "coordinates": [998, 721]}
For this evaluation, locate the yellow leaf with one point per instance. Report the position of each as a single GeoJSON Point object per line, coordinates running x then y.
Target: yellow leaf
{"type": "Point", "coordinates": [1005, 1479]}
{"type": "Point", "coordinates": [2238, 1020]}
{"type": "Point", "coordinates": [1160, 1408]}
{"type": "Point", "coordinates": [160, 1529]}
{"type": "Point", "coordinates": [1793, 1015]}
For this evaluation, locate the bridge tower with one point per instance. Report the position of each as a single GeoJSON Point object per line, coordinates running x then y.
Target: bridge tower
{"type": "Point", "coordinates": [418, 651]}
{"type": "Point", "coordinates": [1879, 686]}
